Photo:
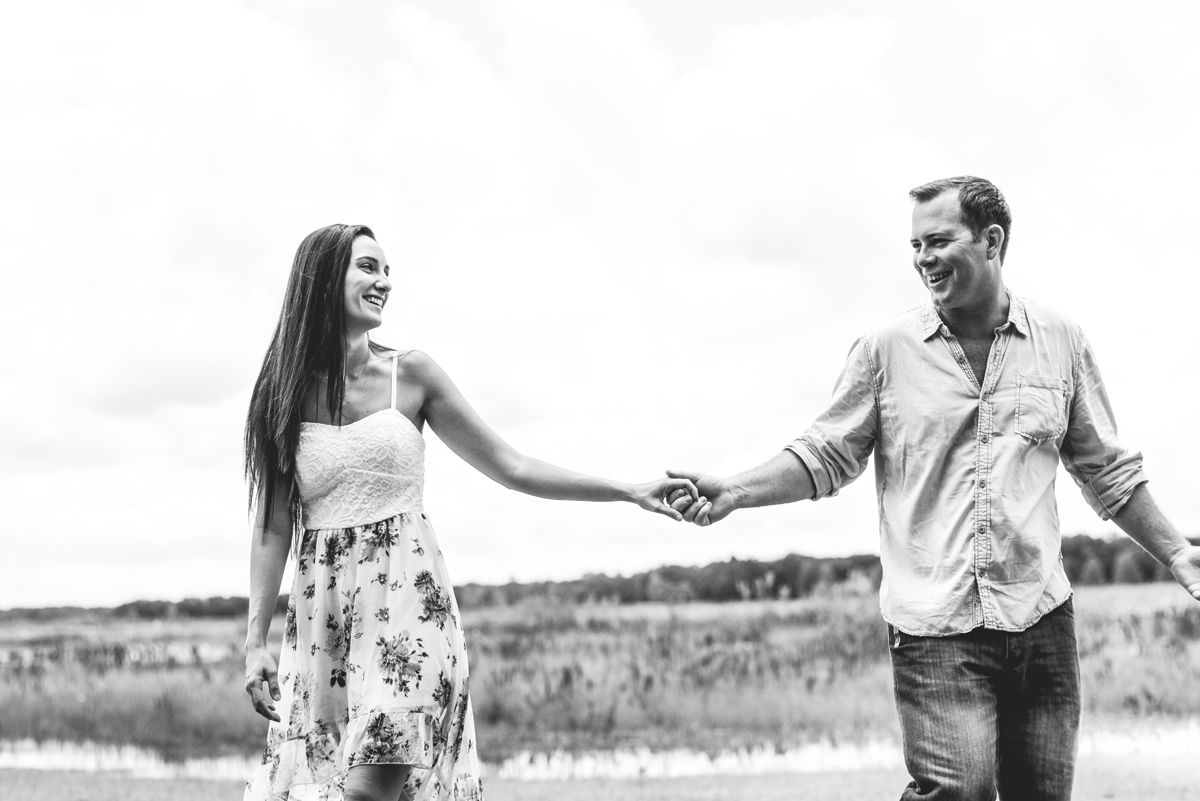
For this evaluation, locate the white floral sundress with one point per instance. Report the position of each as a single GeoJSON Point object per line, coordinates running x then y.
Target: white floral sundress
{"type": "Point", "coordinates": [374, 664]}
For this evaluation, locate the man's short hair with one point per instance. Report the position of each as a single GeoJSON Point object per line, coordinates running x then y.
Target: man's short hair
{"type": "Point", "coordinates": [979, 201]}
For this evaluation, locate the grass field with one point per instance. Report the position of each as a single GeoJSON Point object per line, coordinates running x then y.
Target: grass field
{"type": "Point", "coordinates": [701, 676]}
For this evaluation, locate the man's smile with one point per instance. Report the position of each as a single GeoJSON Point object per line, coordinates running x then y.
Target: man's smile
{"type": "Point", "coordinates": [936, 278]}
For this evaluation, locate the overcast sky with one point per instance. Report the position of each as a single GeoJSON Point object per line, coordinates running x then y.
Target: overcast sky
{"type": "Point", "coordinates": [637, 235]}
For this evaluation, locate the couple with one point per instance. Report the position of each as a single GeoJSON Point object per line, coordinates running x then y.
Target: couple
{"type": "Point", "coordinates": [969, 403]}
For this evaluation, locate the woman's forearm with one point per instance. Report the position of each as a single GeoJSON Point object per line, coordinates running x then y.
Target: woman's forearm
{"type": "Point", "coordinates": [268, 557]}
{"type": "Point", "coordinates": [544, 480]}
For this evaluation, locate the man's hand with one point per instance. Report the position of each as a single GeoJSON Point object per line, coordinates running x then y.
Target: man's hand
{"type": "Point", "coordinates": [1142, 520]}
{"type": "Point", "coordinates": [717, 498]}
{"type": "Point", "coordinates": [1185, 567]}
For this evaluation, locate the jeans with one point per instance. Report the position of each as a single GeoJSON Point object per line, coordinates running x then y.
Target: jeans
{"type": "Point", "coordinates": [990, 710]}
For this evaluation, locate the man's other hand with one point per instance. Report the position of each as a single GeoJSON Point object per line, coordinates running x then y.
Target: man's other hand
{"type": "Point", "coordinates": [1185, 567]}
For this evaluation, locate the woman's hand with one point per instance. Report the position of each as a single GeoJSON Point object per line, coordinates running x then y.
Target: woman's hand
{"type": "Point", "coordinates": [652, 496]}
{"type": "Point", "coordinates": [260, 669]}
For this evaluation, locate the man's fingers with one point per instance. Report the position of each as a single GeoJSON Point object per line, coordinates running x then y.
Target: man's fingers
{"type": "Point", "coordinates": [702, 515]}
{"type": "Point", "coordinates": [690, 513]}
{"type": "Point", "coordinates": [681, 502]}
{"type": "Point", "coordinates": [1194, 589]}
{"type": "Point", "coordinates": [691, 475]}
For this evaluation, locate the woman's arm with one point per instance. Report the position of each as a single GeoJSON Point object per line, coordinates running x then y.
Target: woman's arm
{"type": "Point", "coordinates": [465, 433]}
{"type": "Point", "coordinates": [268, 556]}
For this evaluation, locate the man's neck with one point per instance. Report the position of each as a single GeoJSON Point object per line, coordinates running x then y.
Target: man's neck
{"type": "Point", "coordinates": [978, 321]}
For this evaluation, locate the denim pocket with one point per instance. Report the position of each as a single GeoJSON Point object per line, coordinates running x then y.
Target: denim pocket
{"type": "Point", "coordinates": [1041, 406]}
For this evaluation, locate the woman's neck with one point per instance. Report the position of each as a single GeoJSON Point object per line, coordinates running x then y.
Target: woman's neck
{"type": "Point", "coordinates": [358, 351]}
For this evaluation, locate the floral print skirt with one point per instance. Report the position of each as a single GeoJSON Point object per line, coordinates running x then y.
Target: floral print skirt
{"type": "Point", "coordinates": [373, 669]}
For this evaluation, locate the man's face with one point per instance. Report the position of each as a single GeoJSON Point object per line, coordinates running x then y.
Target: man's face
{"type": "Point", "coordinates": [952, 264]}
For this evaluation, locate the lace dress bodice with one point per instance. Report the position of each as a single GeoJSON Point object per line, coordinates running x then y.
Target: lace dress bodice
{"type": "Point", "coordinates": [362, 472]}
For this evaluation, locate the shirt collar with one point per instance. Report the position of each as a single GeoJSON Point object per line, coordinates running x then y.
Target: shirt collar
{"type": "Point", "coordinates": [1017, 318]}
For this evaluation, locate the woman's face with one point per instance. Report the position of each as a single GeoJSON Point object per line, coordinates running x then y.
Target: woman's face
{"type": "Point", "coordinates": [367, 286]}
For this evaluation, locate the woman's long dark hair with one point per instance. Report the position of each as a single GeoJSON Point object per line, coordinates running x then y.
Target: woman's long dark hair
{"type": "Point", "coordinates": [309, 341]}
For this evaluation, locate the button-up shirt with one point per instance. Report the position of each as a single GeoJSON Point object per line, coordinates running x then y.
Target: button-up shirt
{"type": "Point", "coordinates": [965, 473]}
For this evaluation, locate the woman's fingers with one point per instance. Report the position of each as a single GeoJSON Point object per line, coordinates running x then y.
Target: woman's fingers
{"type": "Point", "coordinates": [254, 687]}
{"type": "Point", "coordinates": [682, 492]}
{"type": "Point", "coordinates": [658, 506]}
{"type": "Point", "coordinates": [677, 485]}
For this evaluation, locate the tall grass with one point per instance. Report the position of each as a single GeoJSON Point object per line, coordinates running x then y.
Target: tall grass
{"type": "Point", "coordinates": [699, 676]}
{"type": "Point", "coordinates": [706, 676]}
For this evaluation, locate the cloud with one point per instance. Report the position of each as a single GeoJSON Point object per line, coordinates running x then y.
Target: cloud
{"type": "Point", "coordinates": [626, 258]}
{"type": "Point", "coordinates": [784, 149]}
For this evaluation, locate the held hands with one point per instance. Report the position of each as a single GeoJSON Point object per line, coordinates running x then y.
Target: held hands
{"type": "Point", "coordinates": [714, 502]}
{"type": "Point", "coordinates": [260, 669]}
{"type": "Point", "coordinates": [654, 496]}
{"type": "Point", "coordinates": [1185, 567]}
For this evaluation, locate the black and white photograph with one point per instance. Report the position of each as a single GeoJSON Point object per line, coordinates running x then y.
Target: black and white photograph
{"type": "Point", "coordinates": [656, 400]}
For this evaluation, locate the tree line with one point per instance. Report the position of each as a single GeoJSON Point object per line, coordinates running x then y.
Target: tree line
{"type": "Point", "coordinates": [1087, 560]}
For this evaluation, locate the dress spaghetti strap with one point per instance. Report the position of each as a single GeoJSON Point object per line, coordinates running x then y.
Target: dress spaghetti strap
{"type": "Point", "coordinates": [394, 358]}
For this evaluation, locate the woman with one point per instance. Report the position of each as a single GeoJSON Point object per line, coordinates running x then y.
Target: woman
{"type": "Point", "coordinates": [372, 682]}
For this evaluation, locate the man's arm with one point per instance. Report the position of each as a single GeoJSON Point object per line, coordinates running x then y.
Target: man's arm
{"type": "Point", "coordinates": [782, 479]}
{"type": "Point", "coordinates": [831, 454]}
{"type": "Point", "coordinates": [1145, 523]}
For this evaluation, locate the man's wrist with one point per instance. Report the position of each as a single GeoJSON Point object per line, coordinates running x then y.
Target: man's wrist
{"type": "Point", "coordinates": [740, 496]}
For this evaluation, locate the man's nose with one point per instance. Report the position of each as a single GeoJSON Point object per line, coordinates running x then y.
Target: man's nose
{"type": "Point", "coordinates": [923, 257]}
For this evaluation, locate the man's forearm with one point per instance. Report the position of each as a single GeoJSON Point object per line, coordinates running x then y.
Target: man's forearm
{"type": "Point", "coordinates": [1145, 523]}
{"type": "Point", "coordinates": [781, 479]}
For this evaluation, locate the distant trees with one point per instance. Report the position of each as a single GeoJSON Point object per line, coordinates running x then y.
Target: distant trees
{"type": "Point", "coordinates": [1120, 560]}
{"type": "Point", "coordinates": [1087, 560]}
{"type": "Point", "coordinates": [215, 607]}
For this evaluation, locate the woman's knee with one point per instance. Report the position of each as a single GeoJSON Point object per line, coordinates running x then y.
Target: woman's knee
{"type": "Point", "coordinates": [375, 782]}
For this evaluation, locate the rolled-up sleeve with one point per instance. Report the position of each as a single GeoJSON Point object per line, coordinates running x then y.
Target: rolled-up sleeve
{"type": "Point", "coordinates": [1106, 472]}
{"type": "Point", "coordinates": [835, 449]}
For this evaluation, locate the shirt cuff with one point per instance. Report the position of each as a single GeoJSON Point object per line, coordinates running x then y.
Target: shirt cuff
{"type": "Point", "coordinates": [1112, 488]}
{"type": "Point", "coordinates": [816, 468]}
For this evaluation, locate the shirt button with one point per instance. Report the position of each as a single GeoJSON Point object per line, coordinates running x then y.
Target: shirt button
{"type": "Point", "coordinates": [984, 438]}
{"type": "Point", "coordinates": [983, 483]}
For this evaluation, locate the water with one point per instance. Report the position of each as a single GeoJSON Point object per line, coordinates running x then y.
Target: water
{"type": "Point", "coordinates": [1180, 739]}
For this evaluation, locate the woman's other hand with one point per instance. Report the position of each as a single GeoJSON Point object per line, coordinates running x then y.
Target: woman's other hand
{"type": "Point", "coordinates": [261, 669]}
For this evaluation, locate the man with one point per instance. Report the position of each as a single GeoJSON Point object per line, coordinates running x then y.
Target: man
{"type": "Point", "coordinates": [969, 403]}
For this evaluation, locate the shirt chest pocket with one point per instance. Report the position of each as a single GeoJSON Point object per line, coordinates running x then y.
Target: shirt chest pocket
{"type": "Point", "coordinates": [1041, 406]}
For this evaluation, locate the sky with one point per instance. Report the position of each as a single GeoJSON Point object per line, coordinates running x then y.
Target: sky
{"type": "Point", "coordinates": [637, 235]}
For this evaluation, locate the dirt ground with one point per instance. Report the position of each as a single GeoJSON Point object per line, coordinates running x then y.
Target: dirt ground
{"type": "Point", "coordinates": [1135, 778]}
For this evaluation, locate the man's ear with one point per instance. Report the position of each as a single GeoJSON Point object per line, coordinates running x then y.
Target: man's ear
{"type": "Point", "coordinates": [995, 240]}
